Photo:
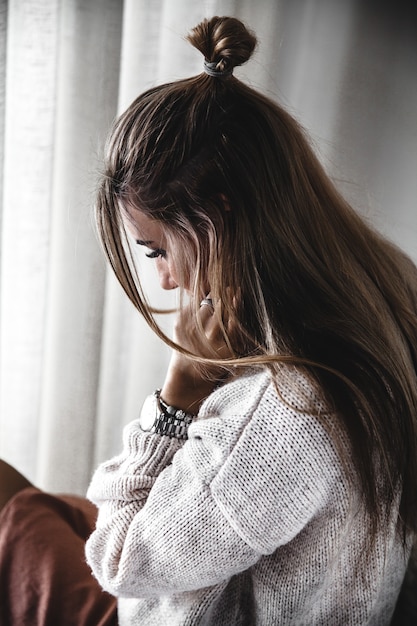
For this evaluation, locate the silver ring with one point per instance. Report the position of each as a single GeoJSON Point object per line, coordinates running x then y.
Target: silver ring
{"type": "Point", "coordinates": [207, 302]}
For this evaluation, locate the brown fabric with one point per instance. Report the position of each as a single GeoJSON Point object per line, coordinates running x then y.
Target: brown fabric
{"type": "Point", "coordinates": [44, 579]}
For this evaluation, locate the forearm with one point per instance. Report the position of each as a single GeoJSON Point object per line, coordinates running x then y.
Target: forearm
{"type": "Point", "coordinates": [158, 528]}
{"type": "Point", "coordinates": [120, 488]}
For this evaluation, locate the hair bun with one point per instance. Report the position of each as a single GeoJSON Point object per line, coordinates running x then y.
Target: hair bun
{"type": "Point", "coordinates": [223, 40]}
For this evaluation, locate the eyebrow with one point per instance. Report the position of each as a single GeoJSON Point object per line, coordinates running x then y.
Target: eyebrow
{"type": "Point", "coordinates": [141, 242]}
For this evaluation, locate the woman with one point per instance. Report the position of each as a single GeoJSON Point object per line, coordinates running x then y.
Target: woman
{"type": "Point", "coordinates": [271, 480]}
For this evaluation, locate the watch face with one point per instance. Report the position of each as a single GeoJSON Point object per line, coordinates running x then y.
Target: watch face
{"type": "Point", "coordinates": [149, 413]}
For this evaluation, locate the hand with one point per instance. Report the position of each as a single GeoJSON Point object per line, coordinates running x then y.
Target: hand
{"type": "Point", "coordinates": [187, 382]}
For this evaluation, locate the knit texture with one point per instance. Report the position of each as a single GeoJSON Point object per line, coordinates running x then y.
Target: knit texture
{"type": "Point", "coordinates": [251, 521]}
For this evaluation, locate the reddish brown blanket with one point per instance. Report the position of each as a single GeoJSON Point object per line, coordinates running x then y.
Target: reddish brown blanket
{"type": "Point", "coordinates": [44, 580]}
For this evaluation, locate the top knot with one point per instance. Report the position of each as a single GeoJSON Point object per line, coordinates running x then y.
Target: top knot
{"type": "Point", "coordinates": [225, 43]}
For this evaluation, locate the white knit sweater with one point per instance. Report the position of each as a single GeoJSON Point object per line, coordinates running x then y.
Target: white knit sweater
{"type": "Point", "coordinates": [251, 521]}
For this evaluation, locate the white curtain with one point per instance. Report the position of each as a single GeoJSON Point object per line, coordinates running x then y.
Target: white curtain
{"type": "Point", "coordinates": [76, 361]}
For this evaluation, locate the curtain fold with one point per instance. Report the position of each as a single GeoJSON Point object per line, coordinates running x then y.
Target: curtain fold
{"type": "Point", "coordinates": [87, 86]}
{"type": "Point", "coordinates": [30, 69]}
{"type": "Point", "coordinates": [3, 44]}
{"type": "Point", "coordinates": [76, 360]}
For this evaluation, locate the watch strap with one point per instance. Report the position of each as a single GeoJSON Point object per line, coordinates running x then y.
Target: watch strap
{"type": "Point", "coordinates": [171, 421]}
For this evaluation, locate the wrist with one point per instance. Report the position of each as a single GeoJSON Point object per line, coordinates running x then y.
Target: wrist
{"type": "Point", "coordinates": [186, 394]}
{"type": "Point", "coordinates": [159, 417]}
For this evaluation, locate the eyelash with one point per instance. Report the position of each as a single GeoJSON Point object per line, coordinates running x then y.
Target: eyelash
{"type": "Point", "coordinates": [154, 254]}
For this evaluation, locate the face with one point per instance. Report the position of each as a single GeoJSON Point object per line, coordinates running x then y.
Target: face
{"type": "Point", "coordinates": [150, 234]}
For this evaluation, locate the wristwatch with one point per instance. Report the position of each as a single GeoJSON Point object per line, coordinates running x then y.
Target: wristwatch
{"type": "Point", "coordinates": [159, 417]}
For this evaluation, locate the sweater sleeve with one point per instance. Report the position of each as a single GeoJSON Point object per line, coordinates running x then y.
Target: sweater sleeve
{"type": "Point", "coordinates": [176, 517]}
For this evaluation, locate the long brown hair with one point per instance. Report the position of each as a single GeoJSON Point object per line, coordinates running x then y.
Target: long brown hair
{"type": "Point", "coordinates": [302, 277]}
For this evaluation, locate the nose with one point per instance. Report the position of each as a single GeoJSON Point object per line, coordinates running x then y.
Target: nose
{"type": "Point", "coordinates": [164, 274]}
